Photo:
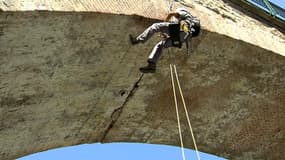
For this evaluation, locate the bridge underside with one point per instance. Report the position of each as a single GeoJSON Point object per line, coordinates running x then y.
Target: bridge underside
{"type": "Point", "coordinates": [72, 77]}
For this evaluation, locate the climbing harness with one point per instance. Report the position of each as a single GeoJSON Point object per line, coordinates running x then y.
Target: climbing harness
{"type": "Point", "coordinates": [173, 67]}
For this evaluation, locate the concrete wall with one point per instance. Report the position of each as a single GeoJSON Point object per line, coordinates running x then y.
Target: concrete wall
{"type": "Point", "coordinates": [218, 16]}
{"type": "Point", "coordinates": [71, 78]}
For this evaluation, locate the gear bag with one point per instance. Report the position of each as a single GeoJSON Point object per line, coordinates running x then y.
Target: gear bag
{"type": "Point", "coordinates": [174, 33]}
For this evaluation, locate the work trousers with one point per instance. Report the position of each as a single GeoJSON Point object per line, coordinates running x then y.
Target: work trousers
{"type": "Point", "coordinates": [163, 28]}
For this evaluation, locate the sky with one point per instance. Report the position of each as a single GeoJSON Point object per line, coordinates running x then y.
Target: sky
{"type": "Point", "coordinates": [281, 3]}
{"type": "Point", "coordinates": [119, 151]}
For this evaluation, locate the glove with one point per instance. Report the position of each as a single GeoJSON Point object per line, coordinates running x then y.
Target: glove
{"type": "Point", "coordinates": [184, 27]}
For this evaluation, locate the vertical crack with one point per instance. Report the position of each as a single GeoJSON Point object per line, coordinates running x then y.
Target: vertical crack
{"type": "Point", "coordinates": [118, 111]}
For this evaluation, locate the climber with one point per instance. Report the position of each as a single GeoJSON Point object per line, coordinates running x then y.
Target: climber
{"type": "Point", "coordinates": [174, 33]}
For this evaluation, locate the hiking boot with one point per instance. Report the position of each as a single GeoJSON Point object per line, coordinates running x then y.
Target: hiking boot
{"type": "Point", "coordinates": [150, 68]}
{"type": "Point", "coordinates": [133, 40]}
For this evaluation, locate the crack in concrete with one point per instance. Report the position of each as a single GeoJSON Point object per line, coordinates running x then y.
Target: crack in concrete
{"type": "Point", "coordinates": [91, 112]}
{"type": "Point", "coordinates": [118, 111]}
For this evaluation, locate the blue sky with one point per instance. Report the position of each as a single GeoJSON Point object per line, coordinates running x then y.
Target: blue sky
{"type": "Point", "coordinates": [119, 151]}
{"type": "Point", "coordinates": [281, 3]}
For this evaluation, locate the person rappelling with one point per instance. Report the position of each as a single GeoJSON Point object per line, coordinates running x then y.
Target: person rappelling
{"type": "Point", "coordinates": [174, 33]}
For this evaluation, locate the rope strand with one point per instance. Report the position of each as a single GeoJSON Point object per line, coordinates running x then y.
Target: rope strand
{"type": "Point", "coordinates": [177, 114]}
{"type": "Point", "coordinates": [185, 108]}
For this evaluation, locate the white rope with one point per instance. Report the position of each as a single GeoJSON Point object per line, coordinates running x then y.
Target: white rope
{"type": "Point", "coordinates": [177, 114]}
{"type": "Point", "coordinates": [185, 109]}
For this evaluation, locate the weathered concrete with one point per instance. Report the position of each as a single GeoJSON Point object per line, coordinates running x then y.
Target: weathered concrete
{"type": "Point", "coordinates": [70, 78]}
{"type": "Point", "coordinates": [217, 16]}
{"type": "Point", "coordinates": [59, 71]}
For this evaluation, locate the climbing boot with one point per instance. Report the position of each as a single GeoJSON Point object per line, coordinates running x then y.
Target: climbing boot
{"type": "Point", "coordinates": [150, 68]}
{"type": "Point", "coordinates": [133, 40]}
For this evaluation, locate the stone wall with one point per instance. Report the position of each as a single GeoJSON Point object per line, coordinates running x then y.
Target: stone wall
{"type": "Point", "coordinates": [72, 77]}
{"type": "Point", "coordinates": [217, 16]}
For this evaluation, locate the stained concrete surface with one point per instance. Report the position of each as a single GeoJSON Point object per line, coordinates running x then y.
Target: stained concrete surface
{"type": "Point", "coordinates": [71, 78]}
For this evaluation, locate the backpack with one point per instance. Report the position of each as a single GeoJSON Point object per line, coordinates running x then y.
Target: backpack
{"type": "Point", "coordinates": [195, 26]}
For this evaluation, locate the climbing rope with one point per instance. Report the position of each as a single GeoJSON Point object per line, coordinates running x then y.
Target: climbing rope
{"type": "Point", "coordinates": [173, 67]}
{"type": "Point", "coordinates": [177, 114]}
